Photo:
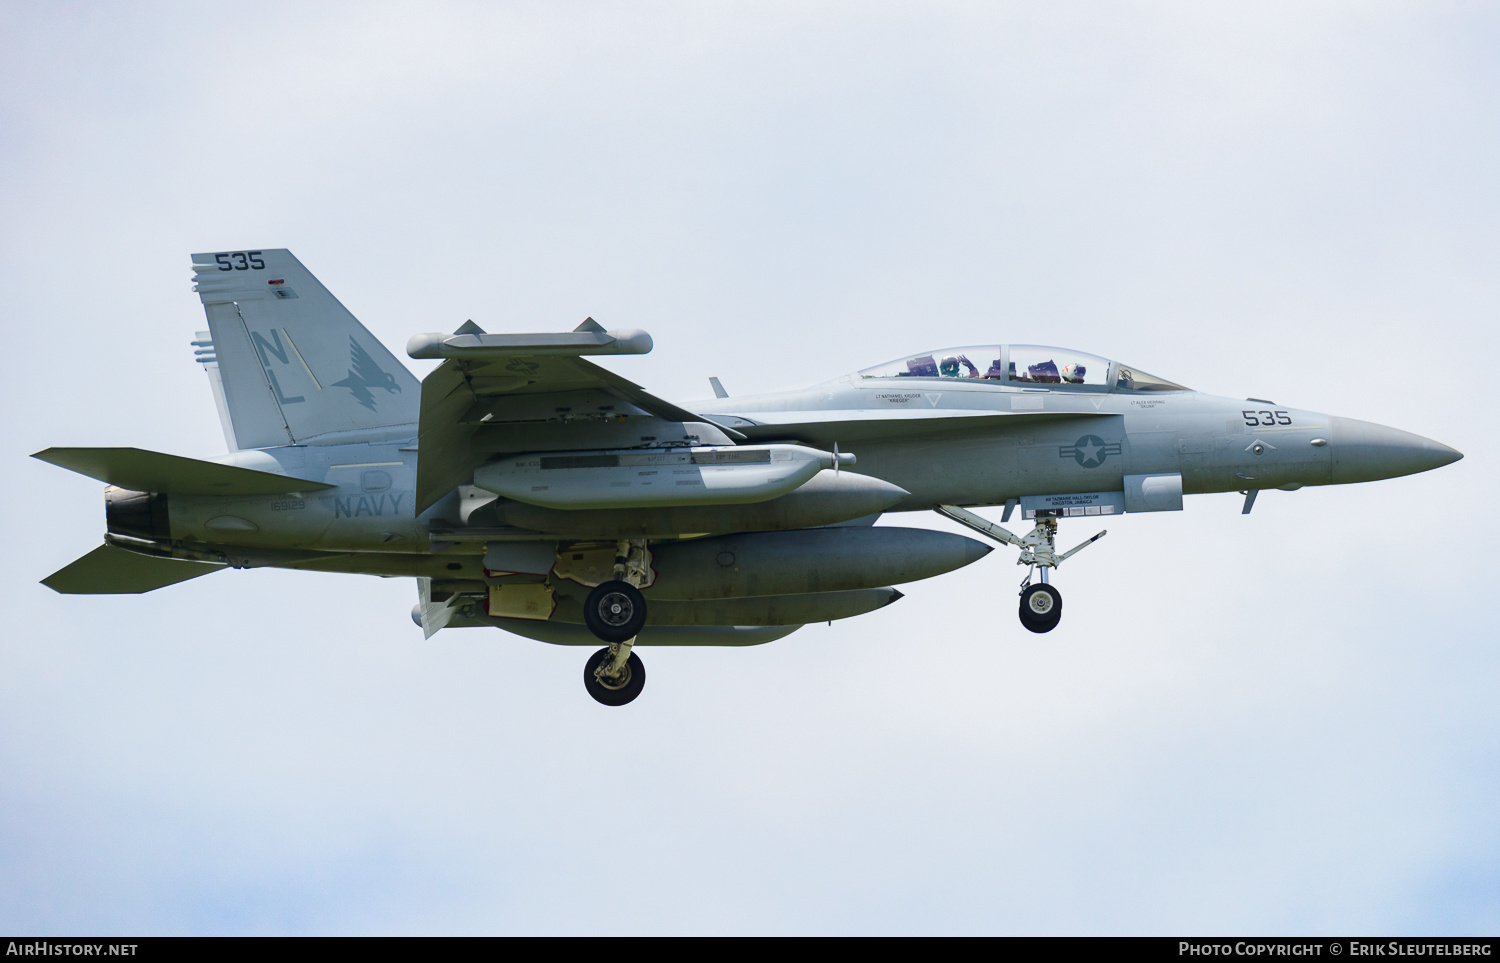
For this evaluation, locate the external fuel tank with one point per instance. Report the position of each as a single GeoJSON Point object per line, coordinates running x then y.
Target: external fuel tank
{"type": "Point", "coordinates": [813, 560]}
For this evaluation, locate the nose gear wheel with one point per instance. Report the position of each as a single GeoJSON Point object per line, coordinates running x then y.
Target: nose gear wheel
{"type": "Point", "coordinates": [1041, 607]}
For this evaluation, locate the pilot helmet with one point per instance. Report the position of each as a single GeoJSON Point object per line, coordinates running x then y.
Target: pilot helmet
{"type": "Point", "coordinates": [949, 368]}
{"type": "Point", "coordinates": [1073, 372]}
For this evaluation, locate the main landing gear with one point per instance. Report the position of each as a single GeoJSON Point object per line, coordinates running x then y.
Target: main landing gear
{"type": "Point", "coordinates": [1041, 602]}
{"type": "Point", "coordinates": [615, 611]}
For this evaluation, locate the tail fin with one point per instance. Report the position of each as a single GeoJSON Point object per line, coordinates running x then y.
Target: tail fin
{"type": "Point", "coordinates": [203, 353]}
{"type": "Point", "coordinates": [294, 363]}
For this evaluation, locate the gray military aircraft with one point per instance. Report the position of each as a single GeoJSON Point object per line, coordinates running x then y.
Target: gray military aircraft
{"type": "Point", "coordinates": [528, 489]}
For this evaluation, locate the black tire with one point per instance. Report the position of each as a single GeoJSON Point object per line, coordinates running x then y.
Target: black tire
{"type": "Point", "coordinates": [1041, 607]}
{"type": "Point", "coordinates": [615, 611]}
{"type": "Point", "coordinates": [620, 691]}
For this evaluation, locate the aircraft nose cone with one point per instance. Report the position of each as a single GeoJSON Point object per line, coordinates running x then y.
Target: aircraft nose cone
{"type": "Point", "coordinates": [1363, 451]}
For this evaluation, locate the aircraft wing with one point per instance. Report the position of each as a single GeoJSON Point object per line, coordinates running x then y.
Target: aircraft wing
{"type": "Point", "coordinates": [490, 384]}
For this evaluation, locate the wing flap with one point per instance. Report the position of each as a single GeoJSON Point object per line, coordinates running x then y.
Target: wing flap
{"type": "Point", "coordinates": [138, 469]}
{"type": "Point", "coordinates": [108, 570]}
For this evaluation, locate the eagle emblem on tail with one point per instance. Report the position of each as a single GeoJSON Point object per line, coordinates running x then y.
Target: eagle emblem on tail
{"type": "Point", "coordinates": [364, 375]}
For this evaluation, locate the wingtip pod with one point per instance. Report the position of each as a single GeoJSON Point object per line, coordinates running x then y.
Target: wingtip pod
{"type": "Point", "coordinates": [633, 341]}
{"type": "Point", "coordinates": [483, 347]}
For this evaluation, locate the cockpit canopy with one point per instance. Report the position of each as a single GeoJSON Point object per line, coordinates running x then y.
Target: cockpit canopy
{"type": "Point", "coordinates": [1023, 364]}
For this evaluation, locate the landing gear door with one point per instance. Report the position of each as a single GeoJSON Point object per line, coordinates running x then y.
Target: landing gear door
{"type": "Point", "coordinates": [1072, 505]}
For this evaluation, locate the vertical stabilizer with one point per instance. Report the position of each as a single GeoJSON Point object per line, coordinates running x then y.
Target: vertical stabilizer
{"type": "Point", "coordinates": [292, 362]}
{"type": "Point", "coordinates": [203, 353]}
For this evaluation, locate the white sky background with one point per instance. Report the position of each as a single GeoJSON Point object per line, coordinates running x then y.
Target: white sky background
{"type": "Point", "coordinates": [1285, 723]}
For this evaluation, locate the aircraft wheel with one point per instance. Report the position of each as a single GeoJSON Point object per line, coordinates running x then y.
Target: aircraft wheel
{"type": "Point", "coordinates": [615, 611]}
{"type": "Point", "coordinates": [614, 692]}
{"type": "Point", "coordinates": [1041, 607]}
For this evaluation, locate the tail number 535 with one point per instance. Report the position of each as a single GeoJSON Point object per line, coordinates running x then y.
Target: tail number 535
{"type": "Point", "coordinates": [240, 261]}
{"type": "Point", "coordinates": [1257, 419]}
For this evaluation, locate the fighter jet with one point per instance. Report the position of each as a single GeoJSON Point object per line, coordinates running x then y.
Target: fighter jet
{"type": "Point", "coordinates": [527, 489]}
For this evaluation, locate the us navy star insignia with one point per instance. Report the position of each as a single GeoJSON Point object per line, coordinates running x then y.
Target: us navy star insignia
{"type": "Point", "coordinates": [1090, 451]}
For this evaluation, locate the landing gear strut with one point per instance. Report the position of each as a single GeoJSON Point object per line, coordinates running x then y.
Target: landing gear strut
{"type": "Point", "coordinates": [1041, 602]}
{"type": "Point", "coordinates": [615, 611]}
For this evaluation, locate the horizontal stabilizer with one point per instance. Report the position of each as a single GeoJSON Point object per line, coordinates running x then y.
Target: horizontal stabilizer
{"type": "Point", "coordinates": [114, 571]}
{"type": "Point", "coordinates": [140, 470]}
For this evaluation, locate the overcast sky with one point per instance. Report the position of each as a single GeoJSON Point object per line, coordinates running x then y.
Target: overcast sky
{"type": "Point", "coordinates": [1284, 723]}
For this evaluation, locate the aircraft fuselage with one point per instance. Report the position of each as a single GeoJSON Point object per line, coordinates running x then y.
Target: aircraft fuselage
{"type": "Point", "coordinates": [528, 489]}
{"type": "Point", "coordinates": [1047, 442]}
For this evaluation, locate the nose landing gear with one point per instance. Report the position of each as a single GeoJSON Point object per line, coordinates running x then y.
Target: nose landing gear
{"type": "Point", "coordinates": [1041, 603]}
{"type": "Point", "coordinates": [1041, 607]}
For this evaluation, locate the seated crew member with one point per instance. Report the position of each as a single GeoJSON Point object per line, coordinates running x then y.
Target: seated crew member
{"type": "Point", "coordinates": [949, 367]}
{"type": "Point", "coordinates": [1073, 373]}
